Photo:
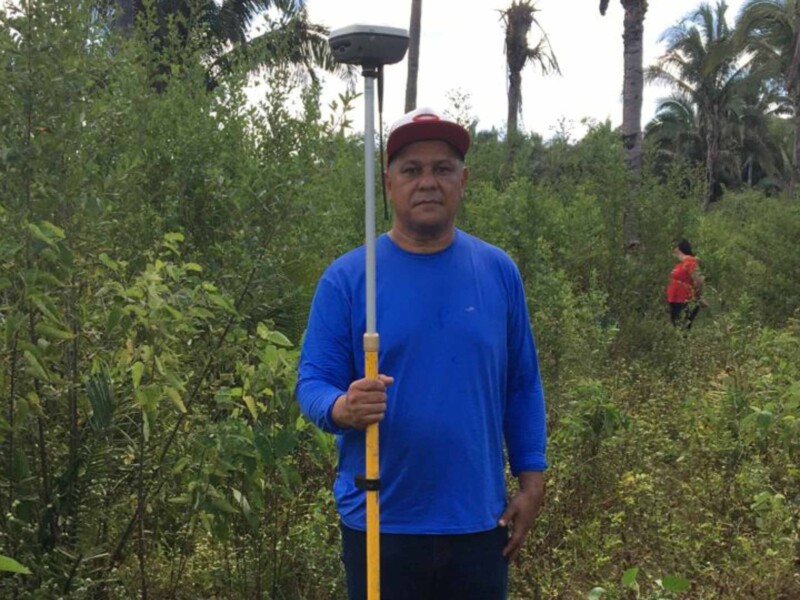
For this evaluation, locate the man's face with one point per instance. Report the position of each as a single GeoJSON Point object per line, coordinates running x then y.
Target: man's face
{"type": "Point", "coordinates": [425, 182]}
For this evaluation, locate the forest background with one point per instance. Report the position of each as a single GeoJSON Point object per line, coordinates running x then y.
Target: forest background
{"type": "Point", "coordinates": [160, 239]}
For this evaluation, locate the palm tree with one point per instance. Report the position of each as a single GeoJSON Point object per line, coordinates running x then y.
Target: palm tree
{"type": "Point", "coordinates": [770, 30]}
{"type": "Point", "coordinates": [762, 152]}
{"type": "Point", "coordinates": [632, 92]}
{"type": "Point", "coordinates": [674, 134]}
{"type": "Point", "coordinates": [702, 64]}
{"type": "Point", "coordinates": [751, 152]}
{"type": "Point", "coordinates": [518, 20]}
{"type": "Point", "coordinates": [413, 54]}
{"type": "Point", "coordinates": [290, 39]}
{"type": "Point", "coordinates": [227, 24]}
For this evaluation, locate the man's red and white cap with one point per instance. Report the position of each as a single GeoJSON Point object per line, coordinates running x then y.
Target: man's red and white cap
{"type": "Point", "coordinates": [425, 124]}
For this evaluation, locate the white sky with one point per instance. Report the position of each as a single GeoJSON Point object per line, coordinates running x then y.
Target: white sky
{"type": "Point", "coordinates": [462, 48]}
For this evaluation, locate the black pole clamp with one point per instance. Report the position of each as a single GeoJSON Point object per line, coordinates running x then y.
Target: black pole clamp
{"type": "Point", "coordinates": [368, 485]}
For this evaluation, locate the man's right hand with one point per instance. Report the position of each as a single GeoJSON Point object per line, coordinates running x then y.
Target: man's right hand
{"type": "Point", "coordinates": [363, 404]}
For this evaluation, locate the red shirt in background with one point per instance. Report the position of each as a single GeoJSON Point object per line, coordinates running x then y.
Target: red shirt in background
{"type": "Point", "coordinates": [681, 287]}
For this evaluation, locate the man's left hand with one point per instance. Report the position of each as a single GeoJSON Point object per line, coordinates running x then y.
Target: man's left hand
{"type": "Point", "coordinates": [522, 511]}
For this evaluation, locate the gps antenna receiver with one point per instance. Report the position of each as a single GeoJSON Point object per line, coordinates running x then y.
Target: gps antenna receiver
{"type": "Point", "coordinates": [370, 46]}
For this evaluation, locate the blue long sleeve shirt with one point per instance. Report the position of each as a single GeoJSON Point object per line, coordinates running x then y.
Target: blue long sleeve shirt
{"type": "Point", "coordinates": [455, 335]}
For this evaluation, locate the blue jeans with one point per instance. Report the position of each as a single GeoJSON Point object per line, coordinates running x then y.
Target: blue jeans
{"type": "Point", "coordinates": [430, 567]}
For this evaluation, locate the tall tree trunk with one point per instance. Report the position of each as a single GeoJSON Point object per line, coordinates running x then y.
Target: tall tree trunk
{"type": "Point", "coordinates": [414, 31]}
{"type": "Point", "coordinates": [514, 99]}
{"type": "Point", "coordinates": [519, 18]}
{"type": "Point", "coordinates": [632, 90]}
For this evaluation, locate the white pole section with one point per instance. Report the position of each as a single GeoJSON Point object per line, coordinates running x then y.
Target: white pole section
{"type": "Point", "coordinates": [369, 196]}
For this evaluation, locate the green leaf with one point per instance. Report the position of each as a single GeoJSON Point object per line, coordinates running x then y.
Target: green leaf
{"type": "Point", "coordinates": [35, 403]}
{"type": "Point", "coordinates": [193, 267]}
{"type": "Point", "coordinates": [54, 333]}
{"type": "Point", "coordinates": [159, 365]}
{"type": "Point", "coordinates": [13, 323]}
{"type": "Point", "coordinates": [148, 397]}
{"type": "Point", "coordinates": [47, 308]}
{"type": "Point", "coordinates": [175, 396]}
{"type": "Point", "coordinates": [104, 258]}
{"type": "Point", "coordinates": [201, 313]}
{"type": "Point", "coordinates": [222, 504]}
{"type": "Point", "coordinates": [222, 302]}
{"type": "Point", "coordinates": [35, 368]}
{"type": "Point", "coordinates": [672, 583]}
{"type": "Point", "coordinates": [251, 406]}
{"type": "Point", "coordinates": [182, 499]}
{"type": "Point", "coordinates": [629, 577]}
{"type": "Point", "coordinates": [271, 357]}
{"type": "Point", "coordinates": [48, 279]}
{"type": "Point", "coordinates": [595, 594]}
{"type": "Point", "coordinates": [145, 426]}
{"type": "Point", "coordinates": [182, 463]}
{"type": "Point", "coordinates": [38, 234]}
{"type": "Point", "coordinates": [12, 566]}
{"type": "Point", "coordinates": [137, 370]}
{"type": "Point", "coordinates": [242, 500]}
{"type": "Point", "coordinates": [55, 231]}
{"type": "Point", "coordinates": [252, 519]}
{"type": "Point", "coordinates": [98, 388]}
{"type": "Point", "coordinates": [277, 338]}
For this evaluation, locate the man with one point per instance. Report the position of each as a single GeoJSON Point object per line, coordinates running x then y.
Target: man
{"type": "Point", "coordinates": [461, 376]}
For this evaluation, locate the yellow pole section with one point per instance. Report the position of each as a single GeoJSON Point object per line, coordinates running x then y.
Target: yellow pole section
{"type": "Point", "coordinates": [373, 508]}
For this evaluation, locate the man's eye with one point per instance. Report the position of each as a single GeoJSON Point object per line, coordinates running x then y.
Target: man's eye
{"type": "Point", "coordinates": [444, 169]}
{"type": "Point", "coordinates": [410, 170]}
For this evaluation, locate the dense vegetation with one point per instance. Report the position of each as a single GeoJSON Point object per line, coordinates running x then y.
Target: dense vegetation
{"type": "Point", "coordinates": [159, 243]}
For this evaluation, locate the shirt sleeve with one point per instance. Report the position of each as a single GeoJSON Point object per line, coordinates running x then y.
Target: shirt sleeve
{"type": "Point", "coordinates": [326, 360]}
{"type": "Point", "coordinates": [524, 424]}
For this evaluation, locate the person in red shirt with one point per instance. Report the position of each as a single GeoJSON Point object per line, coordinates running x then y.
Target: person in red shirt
{"type": "Point", "coordinates": [683, 291]}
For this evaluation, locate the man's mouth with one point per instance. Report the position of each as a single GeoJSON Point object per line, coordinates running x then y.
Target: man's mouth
{"type": "Point", "coordinates": [427, 201]}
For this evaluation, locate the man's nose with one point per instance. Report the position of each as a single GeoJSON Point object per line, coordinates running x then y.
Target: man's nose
{"type": "Point", "coordinates": [427, 178]}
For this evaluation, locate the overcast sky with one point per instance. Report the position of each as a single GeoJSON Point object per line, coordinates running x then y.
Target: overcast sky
{"type": "Point", "coordinates": [462, 48]}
